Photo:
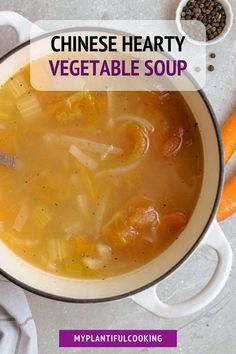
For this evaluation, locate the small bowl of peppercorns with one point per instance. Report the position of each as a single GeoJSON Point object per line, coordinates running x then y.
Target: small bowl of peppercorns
{"type": "Point", "coordinates": [216, 17]}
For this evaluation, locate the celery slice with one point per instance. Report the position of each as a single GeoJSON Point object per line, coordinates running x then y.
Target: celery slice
{"type": "Point", "coordinates": [57, 249]}
{"type": "Point", "coordinates": [17, 86]}
{"type": "Point", "coordinates": [24, 243]}
{"type": "Point", "coordinates": [6, 111]}
{"type": "Point", "coordinates": [28, 106]}
{"type": "Point", "coordinates": [42, 215]}
{"type": "Point", "coordinates": [76, 97]}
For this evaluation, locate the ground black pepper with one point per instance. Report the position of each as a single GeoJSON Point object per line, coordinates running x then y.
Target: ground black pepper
{"type": "Point", "coordinates": [211, 13]}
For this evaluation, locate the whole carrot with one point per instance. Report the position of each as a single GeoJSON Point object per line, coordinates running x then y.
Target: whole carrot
{"type": "Point", "coordinates": [229, 137]}
{"type": "Point", "coordinates": [227, 205]}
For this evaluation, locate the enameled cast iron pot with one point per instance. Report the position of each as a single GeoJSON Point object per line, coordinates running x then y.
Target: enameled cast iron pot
{"type": "Point", "coordinates": [141, 283]}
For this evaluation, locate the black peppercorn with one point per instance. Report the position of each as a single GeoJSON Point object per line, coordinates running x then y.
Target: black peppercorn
{"type": "Point", "coordinates": [211, 68]}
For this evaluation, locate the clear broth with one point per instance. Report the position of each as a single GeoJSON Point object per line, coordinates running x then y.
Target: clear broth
{"type": "Point", "coordinates": [88, 210]}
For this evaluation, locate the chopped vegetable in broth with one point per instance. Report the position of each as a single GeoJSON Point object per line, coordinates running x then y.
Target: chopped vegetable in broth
{"type": "Point", "coordinates": [98, 183]}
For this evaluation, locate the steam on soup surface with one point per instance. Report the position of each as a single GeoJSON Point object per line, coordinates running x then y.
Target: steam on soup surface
{"type": "Point", "coordinates": [103, 182]}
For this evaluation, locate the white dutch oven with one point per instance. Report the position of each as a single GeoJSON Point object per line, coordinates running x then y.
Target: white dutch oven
{"type": "Point", "coordinates": [140, 284]}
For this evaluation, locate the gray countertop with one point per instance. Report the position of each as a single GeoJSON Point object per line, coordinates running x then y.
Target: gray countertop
{"type": "Point", "coordinates": [210, 331]}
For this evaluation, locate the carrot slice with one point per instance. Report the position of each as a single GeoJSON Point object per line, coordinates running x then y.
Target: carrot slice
{"type": "Point", "coordinates": [171, 225]}
{"type": "Point", "coordinates": [142, 216]}
{"type": "Point", "coordinates": [229, 137]}
{"type": "Point", "coordinates": [172, 145]}
{"type": "Point", "coordinates": [228, 200]}
{"type": "Point", "coordinates": [121, 235]}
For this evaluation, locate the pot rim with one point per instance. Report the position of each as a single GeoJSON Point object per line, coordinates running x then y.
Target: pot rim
{"type": "Point", "coordinates": [206, 227]}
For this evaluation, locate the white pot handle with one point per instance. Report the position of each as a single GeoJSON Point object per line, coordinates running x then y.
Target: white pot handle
{"type": "Point", "coordinates": [21, 24]}
{"type": "Point", "coordinates": [215, 239]}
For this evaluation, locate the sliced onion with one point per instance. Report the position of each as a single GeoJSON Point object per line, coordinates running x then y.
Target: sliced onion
{"type": "Point", "coordinates": [152, 236]}
{"type": "Point", "coordinates": [104, 252]}
{"type": "Point", "coordinates": [84, 159]}
{"type": "Point", "coordinates": [92, 263]}
{"type": "Point", "coordinates": [85, 144]}
{"type": "Point", "coordinates": [109, 151]}
{"type": "Point", "coordinates": [21, 242]}
{"type": "Point", "coordinates": [100, 213]}
{"type": "Point", "coordinates": [164, 95]}
{"type": "Point", "coordinates": [21, 217]}
{"type": "Point", "coordinates": [110, 106]}
{"type": "Point", "coordinates": [131, 165]}
{"type": "Point", "coordinates": [109, 102]}
{"type": "Point", "coordinates": [141, 121]}
{"type": "Point", "coordinates": [82, 200]}
{"type": "Point", "coordinates": [73, 228]}
{"type": "Point", "coordinates": [120, 169]}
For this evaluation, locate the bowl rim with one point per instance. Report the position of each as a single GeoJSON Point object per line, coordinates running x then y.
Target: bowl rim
{"type": "Point", "coordinates": [229, 15]}
{"type": "Point", "coordinates": [205, 228]}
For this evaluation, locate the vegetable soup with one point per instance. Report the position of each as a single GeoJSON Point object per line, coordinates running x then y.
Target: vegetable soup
{"type": "Point", "coordinates": [95, 184]}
